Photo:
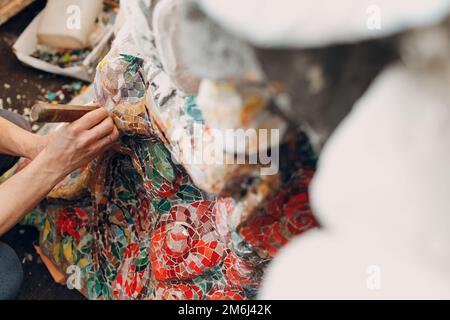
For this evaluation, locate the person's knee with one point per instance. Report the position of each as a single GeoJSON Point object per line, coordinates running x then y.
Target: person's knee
{"type": "Point", "coordinates": [11, 273]}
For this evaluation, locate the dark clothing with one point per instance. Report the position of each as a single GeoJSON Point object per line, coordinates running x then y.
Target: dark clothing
{"type": "Point", "coordinates": [6, 163]}
{"type": "Point", "coordinates": [11, 273]}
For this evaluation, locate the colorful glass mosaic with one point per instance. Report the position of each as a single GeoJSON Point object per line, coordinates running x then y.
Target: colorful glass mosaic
{"type": "Point", "coordinates": [139, 228]}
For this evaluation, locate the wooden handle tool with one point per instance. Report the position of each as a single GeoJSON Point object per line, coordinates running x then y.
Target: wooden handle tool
{"type": "Point", "coordinates": [45, 112]}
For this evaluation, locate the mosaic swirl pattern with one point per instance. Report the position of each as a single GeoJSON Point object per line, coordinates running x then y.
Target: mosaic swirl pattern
{"type": "Point", "coordinates": [145, 231]}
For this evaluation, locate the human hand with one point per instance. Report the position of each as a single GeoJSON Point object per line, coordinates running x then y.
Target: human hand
{"type": "Point", "coordinates": [35, 144]}
{"type": "Point", "coordinates": [74, 145]}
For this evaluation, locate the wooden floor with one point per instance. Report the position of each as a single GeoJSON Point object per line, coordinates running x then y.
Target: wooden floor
{"type": "Point", "coordinates": [9, 8]}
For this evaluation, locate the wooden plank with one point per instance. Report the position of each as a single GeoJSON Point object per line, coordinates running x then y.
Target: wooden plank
{"type": "Point", "coordinates": [10, 8]}
{"type": "Point", "coordinates": [45, 112]}
{"type": "Point", "coordinates": [111, 3]}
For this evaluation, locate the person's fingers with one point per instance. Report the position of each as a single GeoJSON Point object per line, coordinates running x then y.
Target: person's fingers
{"type": "Point", "coordinates": [92, 104]}
{"type": "Point", "coordinates": [105, 128]}
{"type": "Point", "coordinates": [60, 127]}
{"type": "Point", "coordinates": [90, 120]}
{"type": "Point", "coordinates": [65, 130]}
{"type": "Point", "coordinates": [104, 143]}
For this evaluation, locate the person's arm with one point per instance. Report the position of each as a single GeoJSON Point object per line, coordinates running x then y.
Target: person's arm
{"type": "Point", "coordinates": [68, 148]}
{"type": "Point", "coordinates": [16, 141]}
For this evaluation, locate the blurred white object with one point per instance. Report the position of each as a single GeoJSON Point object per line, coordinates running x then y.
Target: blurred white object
{"type": "Point", "coordinates": [133, 32]}
{"type": "Point", "coordinates": [382, 193]}
{"type": "Point", "coordinates": [166, 28]}
{"type": "Point", "coordinates": [211, 52]}
{"type": "Point", "coordinates": [27, 44]}
{"type": "Point", "coordinates": [227, 107]}
{"type": "Point", "coordinates": [305, 23]}
{"type": "Point", "coordinates": [68, 23]}
{"type": "Point", "coordinates": [120, 20]}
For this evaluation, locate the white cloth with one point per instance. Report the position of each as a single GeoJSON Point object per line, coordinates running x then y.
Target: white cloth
{"type": "Point", "coordinates": [306, 23]}
{"type": "Point", "coordinates": [382, 194]}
